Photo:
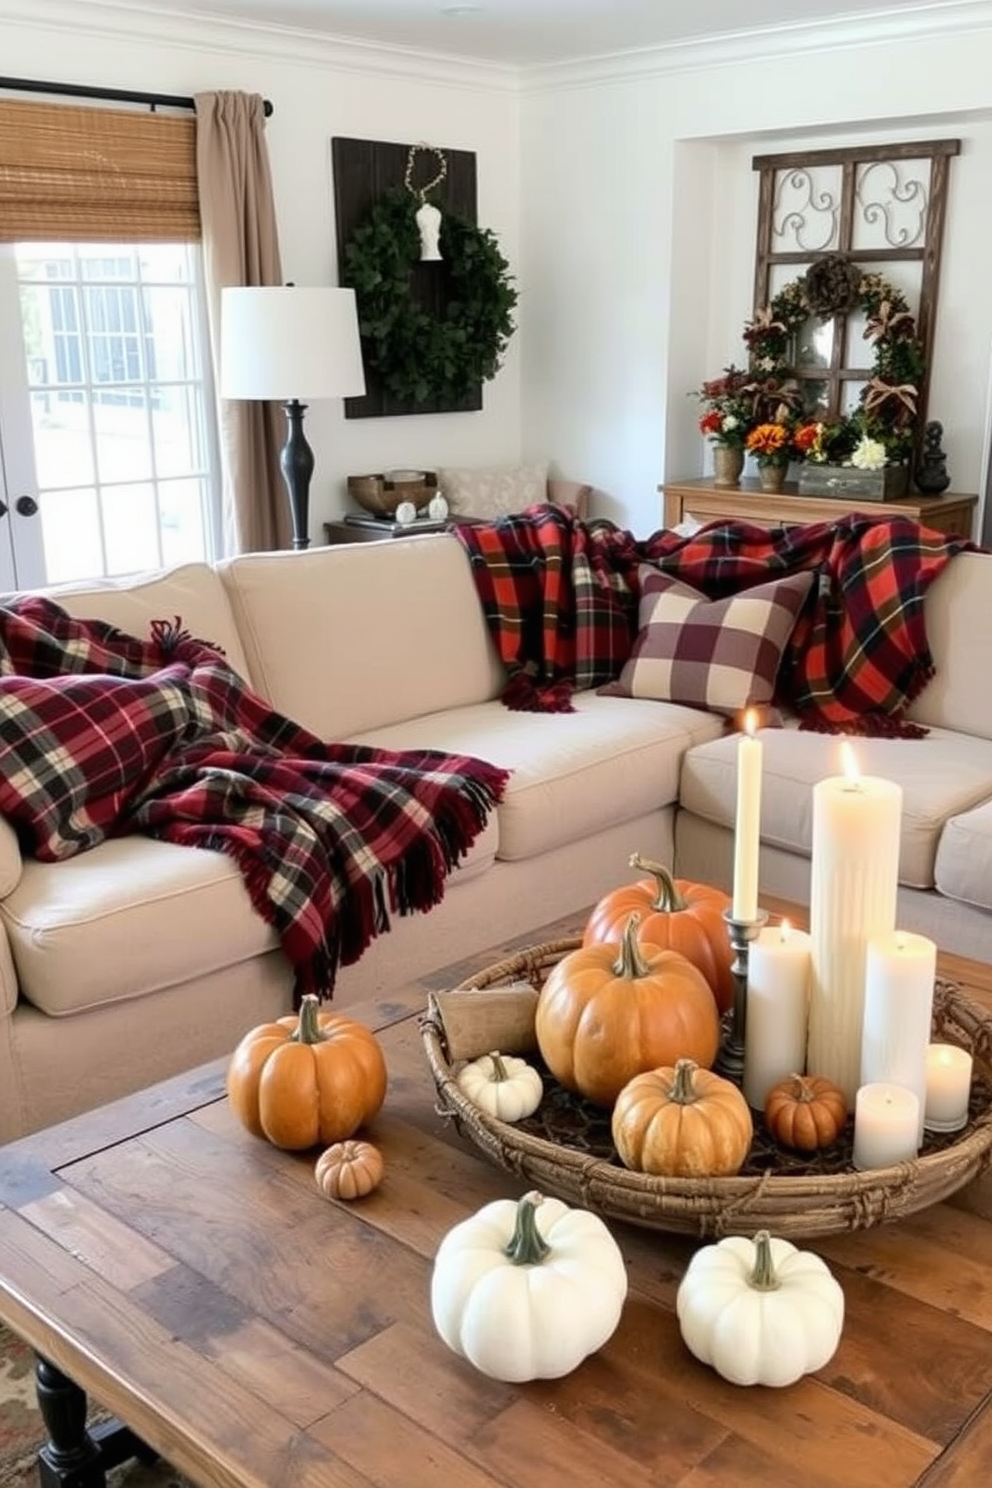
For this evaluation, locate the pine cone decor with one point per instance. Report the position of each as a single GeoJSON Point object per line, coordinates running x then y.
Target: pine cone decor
{"type": "Point", "coordinates": [832, 285]}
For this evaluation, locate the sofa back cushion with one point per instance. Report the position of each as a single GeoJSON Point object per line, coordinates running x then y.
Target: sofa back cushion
{"type": "Point", "coordinates": [192, 591]}
{"type": "Point", "coordinates": [958, 615]}
{"type": "Point", "coordinates": [356, 636]}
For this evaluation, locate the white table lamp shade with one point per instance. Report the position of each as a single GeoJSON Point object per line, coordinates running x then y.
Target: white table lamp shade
{"type": "Point", "coordinates": [290, 342]}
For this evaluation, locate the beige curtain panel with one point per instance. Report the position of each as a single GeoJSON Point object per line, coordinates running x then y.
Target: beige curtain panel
{"type": "Point", "coordinates": [241, 247]}
{"type": "Point", "coordinates": [73, 174]}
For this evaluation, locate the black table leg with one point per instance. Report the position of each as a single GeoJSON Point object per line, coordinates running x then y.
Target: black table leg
{"type": "Point", "coordinates": [74, 1457]}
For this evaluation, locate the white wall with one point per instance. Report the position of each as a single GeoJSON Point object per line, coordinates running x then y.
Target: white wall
{"type": "Point", "coordinates": [318, 91]}
{"type": "Point", "coordinates": [639, 205]}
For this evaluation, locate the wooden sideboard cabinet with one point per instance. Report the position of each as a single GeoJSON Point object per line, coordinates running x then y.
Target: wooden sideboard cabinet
{"type": "Point", "coordinates": [951, 513]}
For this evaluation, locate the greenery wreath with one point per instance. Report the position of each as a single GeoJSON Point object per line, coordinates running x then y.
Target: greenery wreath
{"type": "Point", "coordinates": [417, 354]}
{"type": "Point", "coordinates": [834, 285]}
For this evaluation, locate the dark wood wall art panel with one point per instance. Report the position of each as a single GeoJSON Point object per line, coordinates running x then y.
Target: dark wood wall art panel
{"type": "Point", "coordinates": [363, 171]}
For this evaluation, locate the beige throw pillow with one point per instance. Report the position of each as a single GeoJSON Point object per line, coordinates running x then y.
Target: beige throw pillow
{"type": "Point", "coordinates": [490, 491]}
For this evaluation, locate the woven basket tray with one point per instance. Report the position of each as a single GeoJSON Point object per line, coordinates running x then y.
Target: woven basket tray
{"type": "Point", "coordinates": [565, 1147]}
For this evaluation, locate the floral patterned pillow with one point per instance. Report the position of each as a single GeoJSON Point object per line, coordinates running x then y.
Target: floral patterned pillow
{"type": "Point", "coordinates": [490, 491]}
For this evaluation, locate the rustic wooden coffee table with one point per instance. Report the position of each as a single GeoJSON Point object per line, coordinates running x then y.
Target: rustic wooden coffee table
{"type": "Point", "coordinates": [194, 1282]}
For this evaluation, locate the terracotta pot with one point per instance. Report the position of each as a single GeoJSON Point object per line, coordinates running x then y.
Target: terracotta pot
{"type": "Point", "coordinates": [727, 465]}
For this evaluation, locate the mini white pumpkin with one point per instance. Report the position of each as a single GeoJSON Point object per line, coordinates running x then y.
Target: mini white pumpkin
{"type": "Point", "coordinates": [502, 1085]}
{"type": "Point", "coordinates": [526, 1290]}
{"type": "Point", "coordinates": [760, 1311]}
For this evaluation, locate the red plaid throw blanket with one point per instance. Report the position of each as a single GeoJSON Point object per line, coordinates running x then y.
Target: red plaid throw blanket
{"type": "Point", "coordinates": [560, 598]}
{"type": "Point", "coordinates": [104, 734]}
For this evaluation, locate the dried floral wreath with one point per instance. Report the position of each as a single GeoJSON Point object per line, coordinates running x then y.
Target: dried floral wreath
{"type": "Point", "coordinates": [832, 286]}
{"type": "Point", "coordinates": [419, 355]}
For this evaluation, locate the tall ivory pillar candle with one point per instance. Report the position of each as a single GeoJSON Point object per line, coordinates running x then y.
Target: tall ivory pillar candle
{"type": "Point", "coordinates": [895, 1035]}
{"type": "Point", "coordinates": [777, 993]}
{"type": "Point", "coordinates": [855, 874]}
{"type": "Point", "coordinates": [747, 824]}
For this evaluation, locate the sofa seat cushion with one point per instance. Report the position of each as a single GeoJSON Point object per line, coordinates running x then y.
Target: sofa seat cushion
{"type": "Point", "coordinates": [964, 857]}
{"type": "Point", "coordinates": [572, 774]}
{"type": "Point", "coordinates": [941, 775]}
{"type": "Point", "coordinates": [128, 917]}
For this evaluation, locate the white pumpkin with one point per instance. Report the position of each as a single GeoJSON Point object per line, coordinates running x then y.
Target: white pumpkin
{"type": "Point", "coordinates": [502, 1086]}
{"type": "Point", "coordinates": [527, 1290]}
{"type": "Point", "coordinates": [760, 1311]}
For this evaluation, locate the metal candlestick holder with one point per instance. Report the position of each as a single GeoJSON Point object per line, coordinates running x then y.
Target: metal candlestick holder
{"type": "Point", "coordinates": [730, 1059]}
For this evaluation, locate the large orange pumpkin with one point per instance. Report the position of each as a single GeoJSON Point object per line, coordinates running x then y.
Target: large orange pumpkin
{"type": "Point", "coordinates": [607, 1012]}
{"type": "Point", "coordinates": [678, 915]}
{"type": "Point", "coordinates": [308, 1080]}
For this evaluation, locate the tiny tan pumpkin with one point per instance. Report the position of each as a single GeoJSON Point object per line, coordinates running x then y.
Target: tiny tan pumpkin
{"type": "Point", "coordinates": [682, 1122]}
{"type": "Point", "coordinates": [805, 1111]}
{"type": "Point", "coordinates": [348, 1170]}
{"type": "Point", "coordinates": [608, 1011]}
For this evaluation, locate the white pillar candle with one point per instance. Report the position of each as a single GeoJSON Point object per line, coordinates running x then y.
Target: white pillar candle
{"type": "Point", "coordinates": [895, 1036]}
{"type": "Point", "coordinates": [853, 882]}
{"type": "Point", "coordinates": [747, 826]}
{"type": "Point", "coordinates": [948, 1083]}
{"type": "Point", "coordinates": [886, 1120]}
{"type": "Point", "coordinates": [777, 999]}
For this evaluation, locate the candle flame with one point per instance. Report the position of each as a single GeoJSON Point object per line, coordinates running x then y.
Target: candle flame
{"type": "Point", "coordinates": [849, 764]}
{"type": "Point", "coordinates": [900, 940]}
{"type": "Point", "coordinates": [785, 930]}
{"type": "Point", "coordinates": [750, 723]}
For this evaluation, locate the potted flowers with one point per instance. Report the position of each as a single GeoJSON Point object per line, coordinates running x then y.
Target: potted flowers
{"type": "Point", "coordinates": [773, 445]}
{"type": "Point", "coordinates": [727, 416]}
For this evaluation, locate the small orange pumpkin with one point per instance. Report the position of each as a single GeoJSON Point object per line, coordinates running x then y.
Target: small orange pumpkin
{"type": "Point", "coordinates": [805, 1111]}
{"type": "Point", "coordinates": [606, 1012]}
{"type": "Point", "coordinates": [676, 914]}
{"type": "Point", "coordinates": [302, 1081]}
{"type": "Point", "coordinates": [683, 1122]}
{"type": "Point", "coordinates": [349, 1170]}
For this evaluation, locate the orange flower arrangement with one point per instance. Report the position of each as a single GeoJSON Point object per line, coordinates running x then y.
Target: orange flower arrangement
{"type": "Point", "coordinates": [771, 444]}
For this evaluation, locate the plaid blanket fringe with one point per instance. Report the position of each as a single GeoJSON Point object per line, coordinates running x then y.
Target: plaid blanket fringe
{"type": "Point", "coordinates": [560, 598]}
{"type": "Point", "coordinates": [163, 738]}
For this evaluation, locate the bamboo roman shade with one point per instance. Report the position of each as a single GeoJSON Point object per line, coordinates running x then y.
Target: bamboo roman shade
{"type": "Point", "coordinates": [93, 174]}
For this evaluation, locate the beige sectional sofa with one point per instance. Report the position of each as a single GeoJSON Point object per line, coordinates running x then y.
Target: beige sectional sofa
{"type": "Point", "coordinates": [139, 958]}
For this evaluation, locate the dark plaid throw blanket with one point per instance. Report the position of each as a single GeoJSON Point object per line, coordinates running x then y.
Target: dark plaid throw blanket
{"type": "Point", "coordinates": [560, 597]}
{"type": "Point", "coordinates": [103, 734]}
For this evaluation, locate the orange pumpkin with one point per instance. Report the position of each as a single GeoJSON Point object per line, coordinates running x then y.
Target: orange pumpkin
{"type": "Point", "coordinates": [678, 915]}
{"type": "Point", "coordinates": [300, 1082]}
{"type": "Point", "coordinates": [606, 1012]}
{"type": "Point", "coordinates": [805, 1111]}
{"type": "Point", "coordinates": [683, 1122]}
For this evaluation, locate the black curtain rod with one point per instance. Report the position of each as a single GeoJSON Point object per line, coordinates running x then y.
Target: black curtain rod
{"type": "Point", "coordinates": [110, 95]}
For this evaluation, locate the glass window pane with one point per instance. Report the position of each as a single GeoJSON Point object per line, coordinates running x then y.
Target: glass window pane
{"type": "Point", "coordinates": [63, 448]}
{"type": "Point", "coordinates": [183, 506]}
{"type": "Point", "coordinates": [70, 525]}
{"type": "Point", "coordinates": [120, 425]}
{"type": "Point", "coordinates": [130, 524]}
{"type": "Point", "coordinates": [177, 432]}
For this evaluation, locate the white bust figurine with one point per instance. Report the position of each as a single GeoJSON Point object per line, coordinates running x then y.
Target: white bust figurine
{"type": "Point", "coordinates": [429, 222]}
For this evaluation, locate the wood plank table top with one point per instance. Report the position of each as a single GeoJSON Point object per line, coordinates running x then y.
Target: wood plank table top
{"type": "Point", "coordinates": [193, 1280]}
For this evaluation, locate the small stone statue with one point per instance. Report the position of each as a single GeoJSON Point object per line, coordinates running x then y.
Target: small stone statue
{"type": "Point", "coordinates": [931, 474]}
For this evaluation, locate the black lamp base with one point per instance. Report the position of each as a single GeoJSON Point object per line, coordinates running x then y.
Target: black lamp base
{"type": "Point", "coordinates": [296, 464]}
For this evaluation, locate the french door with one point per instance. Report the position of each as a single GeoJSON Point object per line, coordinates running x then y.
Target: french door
{"type": "Point", "coordinates": [108, 459]}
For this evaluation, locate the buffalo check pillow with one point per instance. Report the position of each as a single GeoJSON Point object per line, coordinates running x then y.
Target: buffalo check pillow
{"type": "Point", "coordinates": [720, 654]}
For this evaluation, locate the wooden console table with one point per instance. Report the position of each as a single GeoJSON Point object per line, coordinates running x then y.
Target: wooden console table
{"type": "Point", "coordinates": [952, 512]}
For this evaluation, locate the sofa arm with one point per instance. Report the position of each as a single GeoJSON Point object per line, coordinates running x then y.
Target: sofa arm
{"type": "Point", "coordinates": [8, 975]}
{"type": "Point", "coordinates": [11, 862]}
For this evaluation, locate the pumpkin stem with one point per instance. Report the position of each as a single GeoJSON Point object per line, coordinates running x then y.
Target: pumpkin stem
{"type": "Point", "coordinates": [667, 899]}
{"type": "Point", "coordinates": [802, 1090]}
{"type": "Point", "coordinates": [307, 1030]}
{"type": "Point", "coordinates": [499, 1068]}
{"type": "Point", "coordinates": [630, 964]}
{"type": "Point", "coordinates": [683, 1091]}
{"type": "Point", "coordinates": [764, 1277]}
{"type": "Point", "coordinates": [527, 1245]}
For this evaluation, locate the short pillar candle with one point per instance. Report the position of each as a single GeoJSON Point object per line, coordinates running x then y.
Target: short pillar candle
{"type": "Point", "coordinates": [899, 979]}
{"type": "Point", "coordinates": [886, 1122]}
{"type": "Point", "coordinates": [853, 883]}
{"type": "Point", "coordinates": [948, 1087]}
{"type": "Point", "coordinates": [777, 1000]}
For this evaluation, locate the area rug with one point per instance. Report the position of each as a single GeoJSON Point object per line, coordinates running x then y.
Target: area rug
{"type": "Point", "coordinates": [22, 1430]}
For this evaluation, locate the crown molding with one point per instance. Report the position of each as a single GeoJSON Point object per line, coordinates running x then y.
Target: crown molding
{"type": "Point", "coordinates": [122, 20]}
{"type": "Point", "coordinates": [795, 40]}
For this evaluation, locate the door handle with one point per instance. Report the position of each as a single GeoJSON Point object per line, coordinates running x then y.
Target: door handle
{"type": "Point", "coordinates": [3, 510]}
{"type": "Point", "coordinates": [26, 506]}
